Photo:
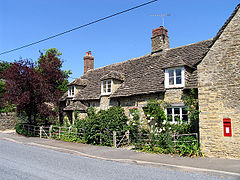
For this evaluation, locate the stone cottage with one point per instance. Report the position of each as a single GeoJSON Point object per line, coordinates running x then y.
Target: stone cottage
{"type": "Point", "coordinates": [211, 67]}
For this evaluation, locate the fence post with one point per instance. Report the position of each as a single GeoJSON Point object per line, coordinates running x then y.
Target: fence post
{"type": "Point", "coordinates": [76, 131]}
{"type": "Point", "coordinates": [41, 132]}
{"type": "Point", "coordinates": [114, 139]}
{"type": "Point", "coordinates": [59, 132]}
{"type": "Point", "coordinates": [127, 136]}
{"type": "Point", "coordinates": [100, 137]}
{"type": "Point", "coordinates": [50, 131]}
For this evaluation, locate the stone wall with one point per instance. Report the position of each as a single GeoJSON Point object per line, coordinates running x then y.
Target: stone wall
{"type": "Point", "coordinates": [219, 93]}
{"type": "Point", "coordinates": [8, 121]}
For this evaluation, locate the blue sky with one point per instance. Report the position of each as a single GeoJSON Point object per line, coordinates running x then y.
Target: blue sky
{"type": "Point", "coordinates": [113, 40]}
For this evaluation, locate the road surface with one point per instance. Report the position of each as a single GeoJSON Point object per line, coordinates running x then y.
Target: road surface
{"type": "Point", "coordinates": [19, 161]}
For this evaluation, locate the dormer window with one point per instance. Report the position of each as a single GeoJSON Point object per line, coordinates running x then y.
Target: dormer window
{"type": "Point", "coordinates": [174, 77]}
{"type": "Point", "coordinates": [71, 91]}
{"type": "Point", "coordinates": [106, 87]}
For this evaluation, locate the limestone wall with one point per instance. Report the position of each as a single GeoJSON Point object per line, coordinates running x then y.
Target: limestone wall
{"type": "Point", "coordinates": [219, 93]}
{"type": "Point", "coordinates": [7, 121]}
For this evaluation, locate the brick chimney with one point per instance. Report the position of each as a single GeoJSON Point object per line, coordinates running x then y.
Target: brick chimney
{"type": "Point", "coordinates": [160, 39]}
{"type": "Point", "coordinates": [88, 62]}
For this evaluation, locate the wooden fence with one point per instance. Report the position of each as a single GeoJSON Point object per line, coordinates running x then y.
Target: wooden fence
{"type": "Point", "coordinates": [116, 138]}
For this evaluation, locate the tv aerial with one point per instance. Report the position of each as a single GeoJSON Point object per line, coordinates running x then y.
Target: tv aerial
{"type": "Point", "coordinates": [163, 16]}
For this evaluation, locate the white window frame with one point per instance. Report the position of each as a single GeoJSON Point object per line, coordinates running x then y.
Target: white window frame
{"type": "Point", "coordinates": [173, 115]}
{"type": "Point", "coordinates": [111, 84]}
{"type": "Point", "coordinates": [167, 85]}
{"type": "Point", "coordinates": [71, 91]}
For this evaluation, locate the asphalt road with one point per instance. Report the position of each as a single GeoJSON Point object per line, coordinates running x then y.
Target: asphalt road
{"type": "Point", "coordinates": [19, 161]}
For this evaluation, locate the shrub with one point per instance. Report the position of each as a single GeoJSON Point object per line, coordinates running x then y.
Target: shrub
{"type": "Point", "coordinates": [99, 126]}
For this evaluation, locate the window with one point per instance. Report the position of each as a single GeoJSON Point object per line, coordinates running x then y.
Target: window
{"type": "Point", "coordinates": [71, 91]}
{"type": "Point", "coordinates": [174, 77]}
{"type": "Point", "coordinates": [177, 113]}
{"type": "Point", "coordinates": [106, 87]}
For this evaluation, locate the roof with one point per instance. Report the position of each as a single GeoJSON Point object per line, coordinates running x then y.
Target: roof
{"type": "Point", "coordinates": [145, 74]}
{"type": "Point", "coordinates": [113, 75]}
{"type": "Point", "coordinates": [79, 82]}
{"type": "Point", "coordinates": [76, 106]}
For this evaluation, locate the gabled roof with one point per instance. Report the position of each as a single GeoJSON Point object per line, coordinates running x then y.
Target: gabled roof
{"type": "Point", "coordinates": [79, 82]}
{"type": "Point", "coordinates": [113, 75]}
{"type": "Point", "coordinates": [76, 106]}
{"type": "Point", "coordinates": [142, 75]}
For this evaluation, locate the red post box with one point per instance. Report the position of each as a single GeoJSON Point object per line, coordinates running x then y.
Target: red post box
{"type": "Point", "coordinates": [227, 129]}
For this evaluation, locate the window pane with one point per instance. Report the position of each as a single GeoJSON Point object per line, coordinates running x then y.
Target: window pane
{"type": "Point", "coordinates": [169, 118]}
{"type": "Point", "coordinates": [176, 117]}
{"type": "Point", "coordinates": [184, 111]}
{"type": "Point", "coordinates": [176, 111]}
{"type": "Point", "coordinates": [69, 91]}
{"type": "Point", "coordinates": [171, 73]}
{"type": "Point", "coordinates": [104, 87]}
{"type": "Point", "coordinates": [171, 81]}
{"type": "Point", "coordinates": [184, 118]}
{"type": "Point", "coordinates": [169, 111]}
{"type": "Point", "coordinates": [72, 90]}
{"type": "Point", "coordinates": [109, 86]}
{"type": "Point", "coordinates": [178, 80]}
{"type": "Point", "coordinates": [178, 72]}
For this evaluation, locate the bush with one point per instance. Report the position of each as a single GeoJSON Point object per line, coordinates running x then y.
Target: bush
{"type": "Point", "coordinates": [99, 126]}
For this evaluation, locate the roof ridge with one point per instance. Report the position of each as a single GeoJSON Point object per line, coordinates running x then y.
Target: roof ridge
{"type": "Point", "coordinates": [115, 64]}
{"type": "Point", "coordinates": [190, 44]}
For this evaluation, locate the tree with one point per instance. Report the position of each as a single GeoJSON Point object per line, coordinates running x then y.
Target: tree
{"type": "Point", "coordinates": [36, 87]}
{"type": "Point", "coordinates": [49, 66]}
{"type": "Point", "coordinates": [4, 106]}
{"type": "Point", "coordinates": [3, 66]}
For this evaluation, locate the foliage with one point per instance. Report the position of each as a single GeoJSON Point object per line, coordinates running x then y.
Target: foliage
{"type": "Point", "coordinates": [133, 123]}
{"type": "Point", "coordinates": [154, 112]}
{"type": "Point", "coordinates": [23, 131]}
{"type": "Point", "coordinates": [49, 66]}
{"type": "Point", "coordinates": [159, 137]}
{"type": "Point", "coordinates": [35, 88]}
{"type": "Point", "coordinates": [3, 66]}
{"type": "Point", "coordinates": [190, 99]}
{"type": "Point", "coordinates": [101, 125]}
{"type": "Point", "coordinates": [5, 108]}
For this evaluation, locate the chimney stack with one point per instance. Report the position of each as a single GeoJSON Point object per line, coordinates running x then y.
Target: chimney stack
{"type": "Point", "coordinates": [88, 62]}
{"type": "Point", "coordinates": [160, 39]}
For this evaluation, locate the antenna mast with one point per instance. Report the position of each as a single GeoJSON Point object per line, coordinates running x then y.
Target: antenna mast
{"type": "Point", "coordinates": [163, 16]}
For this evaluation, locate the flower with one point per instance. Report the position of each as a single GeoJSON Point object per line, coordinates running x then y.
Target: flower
{"type": "Point", "coordinates": [163, 128]}
{"type": "Point", "coordinates": [155, 124]}
{"type": "Point", "coordinates": [148, 115]}
{"type": "Point", "coordinates": [149, 121]}
{"type": "Point", "coordinates": [151, 118]}
{"type": "Point", "coordinates": [164, 122]}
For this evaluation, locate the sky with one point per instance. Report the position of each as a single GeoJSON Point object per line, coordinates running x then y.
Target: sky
{"type": "Point", "coordinates": [113, 40]}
